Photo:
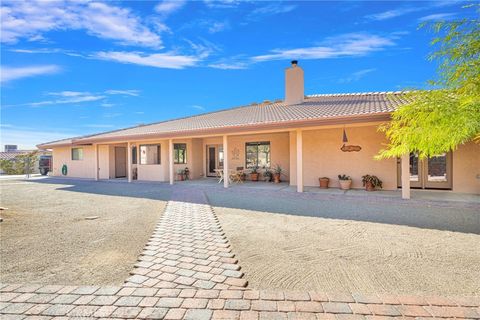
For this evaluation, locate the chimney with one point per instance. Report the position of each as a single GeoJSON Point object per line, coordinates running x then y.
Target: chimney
{"type": "Point", "coordinates": [294, 91]}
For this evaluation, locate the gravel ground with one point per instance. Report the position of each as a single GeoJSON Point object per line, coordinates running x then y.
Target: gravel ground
{"type": "Point", "coordinates": [46, 239]}
{"type": "Point", "coordinates": [350, 246]}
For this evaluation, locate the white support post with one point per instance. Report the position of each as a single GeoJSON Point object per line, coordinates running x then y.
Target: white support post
{"type": "Point", "coordinates": [406, 176]}
{"type": "Point", "coordinates": [170, 160]}
{"type": "Point", "coordinates": [225, 161]}
{"type": "Point", "coordinates": [96, 162]}
{"type": "Point", "coordinates": [299, 161]}
{"type": "Point", "coordinates": [129, 161]}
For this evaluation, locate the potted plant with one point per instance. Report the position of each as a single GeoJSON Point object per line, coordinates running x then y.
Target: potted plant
{"type": "Point", "coordinates": [181, 174]}
{"type": "Point", "coordinates": [254, 173]}
{"type": "Point", "coordinates": [345, 181]}
{"type": "Point", "coordinates": [371, 182]}
{"type": "Point", "coordinates": [268, 174]}
{"type": "Point", "coordinates": [324, 182]}
{"type": "Point", "coordinates": [277, 173]}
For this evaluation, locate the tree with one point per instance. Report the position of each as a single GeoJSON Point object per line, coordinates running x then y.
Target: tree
{"type": "Point", "coordinates": [21, 164]}
{"type": "Point", "coordinates": [436, 121]}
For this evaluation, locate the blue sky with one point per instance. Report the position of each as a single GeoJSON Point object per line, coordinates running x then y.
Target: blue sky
{"type": "Point", "coordinates": [75, 68]}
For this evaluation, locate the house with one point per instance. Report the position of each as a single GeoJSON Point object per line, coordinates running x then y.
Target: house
{"type": "Point", "coordinates": [12, 154]}
{"type": "Point", "coordinates": [302, 134]}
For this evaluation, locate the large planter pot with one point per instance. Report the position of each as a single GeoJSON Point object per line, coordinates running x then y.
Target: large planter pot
{"type": "Point", "coordinates": [180, 177]}
{"type": "Point", "coordinates": [276, 178]}
{"type": "Point", "coordinates": [254, 176]}
{"type": "Point", "coordinates": [369, 186]}
{"type": "Point", "coordinates": [345, 184]}
{"type": "Point", "coordinates": [324, 183]}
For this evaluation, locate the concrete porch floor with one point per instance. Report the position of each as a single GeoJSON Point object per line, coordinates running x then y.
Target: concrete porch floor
{"type": "Point", "coordinates": [417, 194]}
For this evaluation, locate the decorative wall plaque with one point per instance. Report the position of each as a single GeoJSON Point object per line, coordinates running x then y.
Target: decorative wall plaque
{"type": "Point", "coordinates": [350, 148]}
{"type": "Point", "coordinates": [235, 154]}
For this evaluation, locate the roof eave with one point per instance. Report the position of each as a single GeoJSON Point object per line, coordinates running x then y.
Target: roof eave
{"type": "Point", "coordinates": [382, 116]}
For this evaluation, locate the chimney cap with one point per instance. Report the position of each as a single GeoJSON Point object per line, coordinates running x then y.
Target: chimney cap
{"type": "Point", "coordinates": [294, 62]}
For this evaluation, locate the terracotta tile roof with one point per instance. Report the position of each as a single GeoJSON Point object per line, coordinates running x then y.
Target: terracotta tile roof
{"type": "Point", "coordinates": [9, 155]}
{"type": "Point", "coordinates": [316, 107]}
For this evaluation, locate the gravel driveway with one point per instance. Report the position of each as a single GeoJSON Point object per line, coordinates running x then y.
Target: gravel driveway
{"type": "Point", "coordinates": [46, 238]}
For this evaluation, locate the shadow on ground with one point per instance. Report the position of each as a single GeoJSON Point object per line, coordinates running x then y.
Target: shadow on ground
{"type": "Point", "coordinates": [441, 215]}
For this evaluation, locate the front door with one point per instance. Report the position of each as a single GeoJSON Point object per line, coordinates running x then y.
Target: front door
{"type": "Point", "coordinates": [120, 162]}
{"type": "Point", "coordinates": [214, 159]}
{"type": "Point", "coordinates": [432, 173]}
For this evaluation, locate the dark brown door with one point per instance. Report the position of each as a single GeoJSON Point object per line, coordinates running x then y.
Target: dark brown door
{"type": "Point", "coordinates": [212, 161]}
{"type": "Point", "coordinates": [120, 162]}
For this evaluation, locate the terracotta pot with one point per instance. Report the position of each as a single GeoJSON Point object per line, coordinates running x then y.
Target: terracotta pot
{"type": "Point", "coordinates": [345, 184]}
{"type": "Point", "coordinates": [369, 186]}
{"type": "Point", "coordinates": [254, 176]}
{"type": "Point", "coordinates": [276, 178]}
{"type": "Point", "coordinates": [324, 183]}
{"type": "Point", "coordinates": [180, 177]}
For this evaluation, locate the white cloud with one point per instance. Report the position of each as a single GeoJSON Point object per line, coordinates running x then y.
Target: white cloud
{"type": "Point", "coordinates": [112, 115]}
{"type": "Point", "coordinates": [107, 105]}
{"type": "Point", "coordinates": [134, 93]}
{"type": "Point", "coordinates": [270, 10]}
{"type": "Point", "coordinates": [437, 17]}
{"type": "Point", "coordinates": [217, 26]}
{"type": "Point", "coordinates": [167, 7]}
{"type": "Point", "coordinates": [15, 73]}
{"type": "Point", "coordinates": [392, 13]}
{"type": "Point", "coordinates": [68, 93]}
{"type": "Point", "coordinates": [28, 138]}
{"type": "Point", "coordinates": [229, 65]}
{"type": "Point", "coordinates": [157, 60]}
{"type": "Point", "coordinates": [198, 107]}
{"type": "Point", "coordinates": [356, 76]}
{"type": "Point", "coordinates": [32, 19]}
{"type": "Point", "coordinates": [221, 4]}
{"type": "Point", "coordinates": [353, 44]}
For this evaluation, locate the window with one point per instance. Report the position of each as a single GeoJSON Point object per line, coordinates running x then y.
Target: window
{"type": "Point", "coordinates": [257, 154]}
{"type": "Point", "coordinates": [134, 155]}
{"type": "Point", "coordinates": [150, 154]}
{"type": "Point", "coordinates": [180, 153]}
{"type": "Point", "coordinates": [77, 153]}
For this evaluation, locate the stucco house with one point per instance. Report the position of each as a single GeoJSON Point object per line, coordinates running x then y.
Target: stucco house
{"type": "Point", "coordinates": [304, 134]}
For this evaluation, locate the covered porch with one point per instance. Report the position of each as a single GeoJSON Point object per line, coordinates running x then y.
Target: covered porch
{"type": "Point", "coordinates": [304, 154]}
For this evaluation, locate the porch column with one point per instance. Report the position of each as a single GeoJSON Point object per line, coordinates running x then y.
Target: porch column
{"type": "Point", "coordinates": [129, 161]}
{"type": "Point", "coordinates": [225, 161]}
{"type": "Point", "coordinates": [170, 160]}
{"type": "Point", "coordinates": [299, 161]}
{"type": "Point", "coordinates": [96, 162]}
{"type": "Point", "coordinates": [406, 176]}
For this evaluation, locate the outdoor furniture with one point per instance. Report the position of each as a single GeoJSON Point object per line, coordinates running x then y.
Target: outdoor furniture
{"type": "Point", "coordinates": [236, 176]}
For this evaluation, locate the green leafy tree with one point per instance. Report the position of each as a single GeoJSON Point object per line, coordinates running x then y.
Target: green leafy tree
{"type": "Point", "coordinates": [436, 121]}
{"type": "Point", "coordinates": [21, 164]}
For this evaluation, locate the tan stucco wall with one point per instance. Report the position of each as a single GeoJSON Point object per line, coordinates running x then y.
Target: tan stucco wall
{"type": "Point", "coordinates": [322, 157]}
{"type": "Point", "coordinates": [466, 169]}
{"type": "Point", "coordinates": [153, 172]}
{"type": "Point", "coordinates": [75, 168]}
{"type": "Point", "coordinates": [279, 146]}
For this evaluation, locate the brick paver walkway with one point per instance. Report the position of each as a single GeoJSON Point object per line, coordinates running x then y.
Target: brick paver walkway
{"type": "Point", "coordinates": [187, 271]}
{"type": "Point", "coordinates": [187, 250]}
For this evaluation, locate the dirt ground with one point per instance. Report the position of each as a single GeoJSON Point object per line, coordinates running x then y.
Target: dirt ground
{"type": "Point", "coordinates": [45, 238]}
{"type": "Point", "coordinates": [340, 255]}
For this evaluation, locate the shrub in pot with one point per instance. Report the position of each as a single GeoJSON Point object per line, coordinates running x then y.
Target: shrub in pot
{"type": "Point", "coordinates": [268, 175]}
{"type": "Point", "coordinates": [181, 174]}
{"type": "Point", "coordinates": [345, 181]}
{"type": "Point", "coordinates": [254, 173]}
{"type": "Point", "coordinates": [277, 173]}
{"type": "Point", "coordinates": [324, 182]}
{"type": "Point", "coordinates": [371, 182]}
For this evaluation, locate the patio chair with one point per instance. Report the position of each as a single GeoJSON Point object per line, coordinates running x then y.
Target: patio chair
{"type": "Point", "coordinates": [236, 176]}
